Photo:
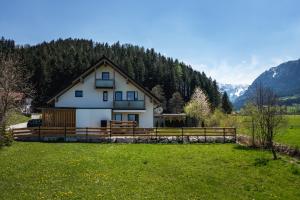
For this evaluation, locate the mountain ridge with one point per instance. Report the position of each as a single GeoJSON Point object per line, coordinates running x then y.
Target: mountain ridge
{"type": "Point", "coordinates": [284, 79]}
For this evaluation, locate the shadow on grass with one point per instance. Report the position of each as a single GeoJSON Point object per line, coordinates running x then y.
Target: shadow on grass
{"type": "Point", "coordinates": [245, 148]}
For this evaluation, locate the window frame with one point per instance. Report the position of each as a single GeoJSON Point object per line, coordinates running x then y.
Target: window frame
{"type": "Point", "coordinates": [135, 95]}
{"type": "Point", "coordinates": [78, 93]}
{"type": "Point", "coordinates": [136, 117]}
{"type": "Point", "coordinates": [118, 92]}
{"type": "Point", "coordinates": [105, 96]}
{"type": "Point", "coordinates": [120, 114]}
{"type": "Point", "coordinates": [102, 75]}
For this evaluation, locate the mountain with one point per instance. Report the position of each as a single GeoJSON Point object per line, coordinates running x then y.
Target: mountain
{"type": "Point", "coordinates": [283, 79]}
{"type": "Point", "coordinates": [233, 91]}
{"type": "Point", "coordinates": [53, 65]}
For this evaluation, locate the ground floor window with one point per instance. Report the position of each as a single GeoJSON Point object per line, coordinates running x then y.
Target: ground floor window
{"type": "Point", "coordinates": [118, 117]}
{"type": "Point", "coordinates": [133, 117]}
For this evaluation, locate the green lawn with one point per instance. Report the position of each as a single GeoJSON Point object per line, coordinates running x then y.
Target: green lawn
{"type": "Point", "coordinates": [144, 171]}
{"type": "Point", "coordinates": [289, 134]}
{"type": "Point", "coordinates": [16, 118]}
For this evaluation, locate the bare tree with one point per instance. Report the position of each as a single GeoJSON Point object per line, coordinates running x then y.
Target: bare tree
{"type": "Point", "coordinates": [13, 88]}
{"type": "Point", "coordinates": [269, 116]}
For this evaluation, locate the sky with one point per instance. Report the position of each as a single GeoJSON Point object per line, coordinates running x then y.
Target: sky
{"type": "Point", "coordinates": [233, 41]}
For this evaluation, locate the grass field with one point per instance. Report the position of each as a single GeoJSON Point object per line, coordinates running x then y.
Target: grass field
{"type": "Point", "coordinates": [288, 134]}
{"type": "Point", "coordinates": [144, 171]}
{"type": "Point", "coordinates": [16, 118]}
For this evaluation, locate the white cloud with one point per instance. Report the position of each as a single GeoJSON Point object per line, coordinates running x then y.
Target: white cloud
{"type": "Point", "coordinates": [243, 72]}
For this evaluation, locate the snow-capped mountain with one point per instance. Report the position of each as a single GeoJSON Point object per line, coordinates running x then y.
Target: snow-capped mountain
{"type": "Point", "coordinates": [233, 91]}
{"type": "Point", "coordinates": [284, 80]}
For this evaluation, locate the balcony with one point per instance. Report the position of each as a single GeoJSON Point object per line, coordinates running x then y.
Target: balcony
{"type": "Point", "coordinates": [129, 105]}
{"type": "Point", "coordinates": [101, 83]}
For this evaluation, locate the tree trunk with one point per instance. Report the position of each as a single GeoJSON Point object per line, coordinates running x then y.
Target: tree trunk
{"type": "Point", "coordinates": [274, 153]}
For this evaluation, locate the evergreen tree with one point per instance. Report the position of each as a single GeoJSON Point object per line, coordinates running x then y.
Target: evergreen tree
{"type": "Point", "coordinates": [176, 103]}
{"type": "Point", "coordinates": [159, 93]}
{"type": "Point", "coordinates": [226, 104]}
{"type": "Point", "coordinates": [53, 65]}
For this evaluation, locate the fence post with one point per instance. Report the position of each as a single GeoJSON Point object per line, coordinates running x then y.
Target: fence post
{"type": "Point", "coordinates": [133, 139]}
{"type": "Point", "coordinates": [224, 140]}
{"type": "Point", "coordinates": [39, 133]}
{"type": "Point", "coordinates": [182, 134]}
{"type": "Point", "coordinates": [234, 134]}
{"type": "Point", "coordinates": [86, 134]}
{"type": "Point", "coordinates": [65, 133]}
{"type": "Point", "coordinates": [110, 131]}
{"type": "Point", "coordinates": [204, 134]}
{"type": "Point", "coordinates": [156, 134]}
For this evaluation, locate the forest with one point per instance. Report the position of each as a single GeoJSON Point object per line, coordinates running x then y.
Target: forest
{"type": "Point", "coordinates": [53, 65]}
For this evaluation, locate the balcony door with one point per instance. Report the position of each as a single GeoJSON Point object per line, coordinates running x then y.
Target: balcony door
{"type": "Point", "coordinates": [132, 96]}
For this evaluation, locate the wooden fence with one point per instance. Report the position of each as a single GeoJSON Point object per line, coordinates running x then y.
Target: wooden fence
{"type": "Point", "coordinates": [94, 133]}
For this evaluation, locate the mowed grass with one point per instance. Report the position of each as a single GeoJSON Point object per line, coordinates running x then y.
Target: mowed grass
{"type": "Point", "coordinates": [144, 171]}
{"type": "Point", "coordinates": [288, 134]}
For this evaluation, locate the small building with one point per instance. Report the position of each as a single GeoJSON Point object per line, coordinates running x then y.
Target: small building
{"type": "Point", "coordinates": [102, 93]}
{"type": "Point", "coordinates": [170, 120]}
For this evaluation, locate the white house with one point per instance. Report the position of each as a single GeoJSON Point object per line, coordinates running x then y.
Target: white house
{"type": "Point", "coordinates": [103, 92]}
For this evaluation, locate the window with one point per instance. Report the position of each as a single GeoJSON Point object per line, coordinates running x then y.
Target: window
{"type": "Point", "coordinates": [133, 117]}
{"type": "Point", "coordinates": [105, 96]}
{"type": "Point", "coordinates": [132, 95]}
{"type": "Point", "coordinates": [105, 75]}
{"type": "Point", "coordinates": [78, 93]}
{"type": "Point", "coordinates": [118, 95]}
{"type": "Point", "coordinates": [118, 117]}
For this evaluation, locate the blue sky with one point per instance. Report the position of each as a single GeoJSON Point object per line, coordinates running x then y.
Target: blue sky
{"type": "Point", "coordinates": [232, 41]}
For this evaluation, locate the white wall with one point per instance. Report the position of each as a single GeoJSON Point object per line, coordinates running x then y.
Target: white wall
{"type": "Point", "coordinates": [91, 117]}
{"type": "Point", "coordinates": [146, 118]}
{"type": "Point", "coordinates": [92, 98]}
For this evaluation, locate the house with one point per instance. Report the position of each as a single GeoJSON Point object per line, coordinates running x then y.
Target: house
{"type": "Point", "coordinates": [104, 92]}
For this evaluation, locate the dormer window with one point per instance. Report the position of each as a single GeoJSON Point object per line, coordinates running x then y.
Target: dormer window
{"type": "Point", "coordinates": [105, 75]}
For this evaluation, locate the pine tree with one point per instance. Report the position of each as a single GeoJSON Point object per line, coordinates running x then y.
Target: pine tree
{"type": "Point", "coordinates": [53, 66]}
{"type": "Point", "coordinates": [226, 104]}
{"type": "Point", "coordinates": [176, 103]}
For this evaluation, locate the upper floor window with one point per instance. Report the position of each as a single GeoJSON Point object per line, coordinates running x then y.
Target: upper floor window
{"type": "Point", "coordinates": [105, 75]}
{"type": "Point", "coordinates": [105, 96]}
{"type": "Point", "coordinates": [78, 93]}
{"type": "Point", "coordinates": [132, 95]}
{"type": "Point", "coordinates": [118, 96]}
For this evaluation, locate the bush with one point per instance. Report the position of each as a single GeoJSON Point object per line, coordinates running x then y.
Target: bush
{"type": "Point", "coordinates": [6, 138]}
{"type": "Point", "coordinates": [219, 119]}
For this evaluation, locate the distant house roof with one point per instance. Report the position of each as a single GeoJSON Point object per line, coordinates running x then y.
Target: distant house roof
{"type": "Point", "coordinates": [106, 61]}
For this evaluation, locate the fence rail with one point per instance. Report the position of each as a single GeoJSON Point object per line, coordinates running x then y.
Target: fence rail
{"type": "Point", "coordinates": [98, 132]}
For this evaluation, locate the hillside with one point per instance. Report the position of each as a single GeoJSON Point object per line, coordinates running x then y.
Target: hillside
{"type": "Point", "coordinates": [54, 64]}
{"type": "Point", "coordinates": [283, 79]}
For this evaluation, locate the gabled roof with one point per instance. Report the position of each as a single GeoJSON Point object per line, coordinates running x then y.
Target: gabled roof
{"type": "Point", "coordinates": [106, 61]}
